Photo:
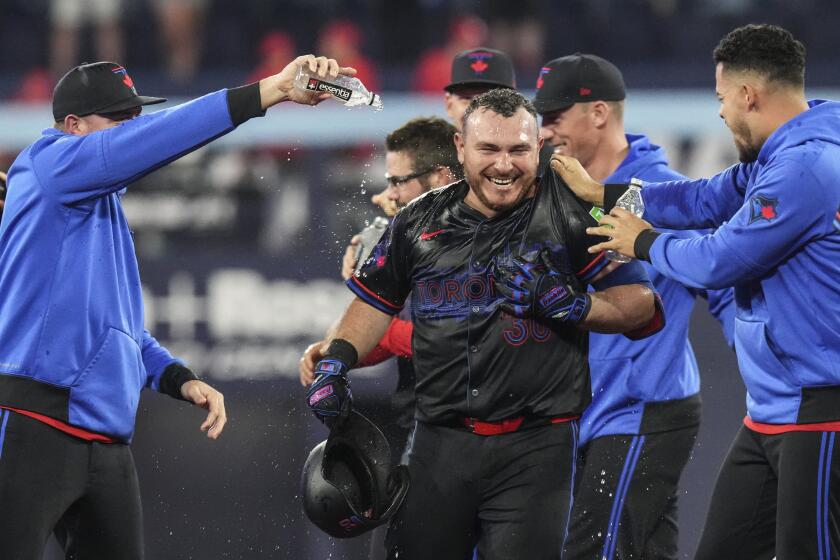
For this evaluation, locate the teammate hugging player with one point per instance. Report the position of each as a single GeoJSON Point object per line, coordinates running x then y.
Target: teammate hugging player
{"type": "Point", "coordinates": [778, 244]}
{"type": "Point", "coordinates": [498, 392]}
{"type": "Point", "coordinates": [637, 434]}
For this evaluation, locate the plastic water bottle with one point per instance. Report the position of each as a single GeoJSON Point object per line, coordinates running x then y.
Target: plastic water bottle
{"type": "Point", "coordinates": [351, 91]}
{"type": "Point", "coordinates": [370, 236]}
{"type": "Point", "coordinates": [631, 201]}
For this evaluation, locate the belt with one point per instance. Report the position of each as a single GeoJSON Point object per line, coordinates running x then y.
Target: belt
{"type": "Point", "coordinates": [508, 425]}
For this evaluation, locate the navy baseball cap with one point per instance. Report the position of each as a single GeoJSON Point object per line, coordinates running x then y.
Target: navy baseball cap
{"type": "Point", "coordinates": [482, 67]}
{"type": "Point", "coordinates": [577, 78]}
{"type": "Point", "coordinates": [99, 87]}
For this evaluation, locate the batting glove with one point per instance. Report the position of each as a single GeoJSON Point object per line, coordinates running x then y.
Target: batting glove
{"type": "Point", "coordinates": [329, 396]}
{"type": "Point", "coordinates": [532, 290]}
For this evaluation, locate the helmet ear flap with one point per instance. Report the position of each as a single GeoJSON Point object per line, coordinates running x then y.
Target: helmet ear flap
{"type": "Point", "coordinates": [349, 485]}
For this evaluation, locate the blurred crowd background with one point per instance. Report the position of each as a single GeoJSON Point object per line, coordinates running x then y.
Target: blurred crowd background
{"type": "Point", "coordinates": [192, 46]}
{"type": "Point", "coordinates": [240, 242]}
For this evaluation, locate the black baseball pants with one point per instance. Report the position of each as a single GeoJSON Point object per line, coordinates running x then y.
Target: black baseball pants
{"type": "Point", "coordinates": [776, 495]}
{"type": "Point", "coordinates": [86, 493]}
{"type": "Point", "coordinates": [508, 495]}
{"type": "Point", "coordinates": [625, 503]}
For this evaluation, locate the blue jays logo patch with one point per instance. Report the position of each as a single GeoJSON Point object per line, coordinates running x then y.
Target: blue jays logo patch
{"type": "Point", "coordinates": [126, 79]}
{"type": "Point", "coordinates": [763, 208]}
{"type": "Point", "coordinates": [480, 61]}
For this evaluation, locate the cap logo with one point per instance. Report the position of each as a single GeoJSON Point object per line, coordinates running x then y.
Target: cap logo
{"type": "Point", "coordinates": [543, 72]}
{"type": "Point", "coordinates": [129, 83]}
{"type": "Point", "coordinates": [479, 64]}
{"type": "Point", "coordinates": [584, 91]}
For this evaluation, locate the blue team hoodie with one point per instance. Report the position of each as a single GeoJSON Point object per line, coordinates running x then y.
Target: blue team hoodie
{"type": "Point", "coordinates": [71, 316]}
{"type": "Point", "coordinates": [780, 246]}
{"type": "Point", "coordinates": [630, 377]}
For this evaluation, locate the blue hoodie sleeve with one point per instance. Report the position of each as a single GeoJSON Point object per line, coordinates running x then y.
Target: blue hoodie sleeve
{"type": "Point", "coordinates": [784, 210]}
{"type": "Point", "coordinates": [702, 203]}
{"type": "Point", "coordinates": [77, 168]}
{"type": "Point", "coordinates": [156, 358]}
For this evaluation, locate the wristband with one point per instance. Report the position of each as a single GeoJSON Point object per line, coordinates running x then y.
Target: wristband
{"type": "Point", "coordinates": [244, 103]}
{"type": "Point", "coordinates": [341, 350]}
{"type": "Point", "coordinates": [643, 243]}
{"type": "Point", "coordinates": [173, 377]}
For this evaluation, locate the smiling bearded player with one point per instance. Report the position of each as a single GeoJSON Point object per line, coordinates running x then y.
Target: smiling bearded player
{"type": "Point", "coordinates": [500, 358]}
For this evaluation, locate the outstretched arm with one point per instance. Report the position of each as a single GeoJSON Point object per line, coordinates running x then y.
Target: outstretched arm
{"type": "Point", "coordinates": [687, 204]}
{"type": "Point", "coordinates": [93, 165]}
{"type": "Point", "coordinates": [773, 224]}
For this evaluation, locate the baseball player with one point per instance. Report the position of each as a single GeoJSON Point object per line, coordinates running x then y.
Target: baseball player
{"type": "Point", "coordinates": [75, 354]}
{"type": "Point", "coordinates": [779, 244]}
{"type": "Point", "coordinates": [498, 391]}
{"type": "Point", "coordinates": [637, 434]}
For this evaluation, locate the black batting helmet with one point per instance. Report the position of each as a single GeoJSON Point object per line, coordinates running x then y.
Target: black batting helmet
{"type": "Point", "coordinates": [349, 484]}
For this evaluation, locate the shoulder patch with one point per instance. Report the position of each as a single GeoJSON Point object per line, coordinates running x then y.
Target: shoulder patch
{"type": "Point", "coordinates": [763, 208]}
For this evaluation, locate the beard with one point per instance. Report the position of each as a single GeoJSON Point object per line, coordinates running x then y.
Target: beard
{"type": "Point", "coordinates": [477, 186]}
{"type": "Point", "coordinates": [747, 153]}
{"type": "Point", "coordinates": [747, 148]}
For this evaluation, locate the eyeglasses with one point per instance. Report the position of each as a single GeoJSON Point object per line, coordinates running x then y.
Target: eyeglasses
{"type": "Point", "coordinates": [397, 180]}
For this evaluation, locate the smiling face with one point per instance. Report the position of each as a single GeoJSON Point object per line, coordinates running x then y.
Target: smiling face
{"type": "Point", "coordinates": [734, 110]}
{"type": "Point", "coordinates": [573, 132]}
{"type": "Point", "coordinates": [500, 156]}
{"type": "Point", "coordinates": [579, 131]}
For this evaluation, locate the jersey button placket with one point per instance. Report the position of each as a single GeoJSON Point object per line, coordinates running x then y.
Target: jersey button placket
{"type": "Point", "coordinates": [475, 309]}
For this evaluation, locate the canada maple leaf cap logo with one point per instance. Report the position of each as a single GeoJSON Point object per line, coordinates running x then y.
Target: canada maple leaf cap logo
{"type": "Point", "coordinates": [479, 66]}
